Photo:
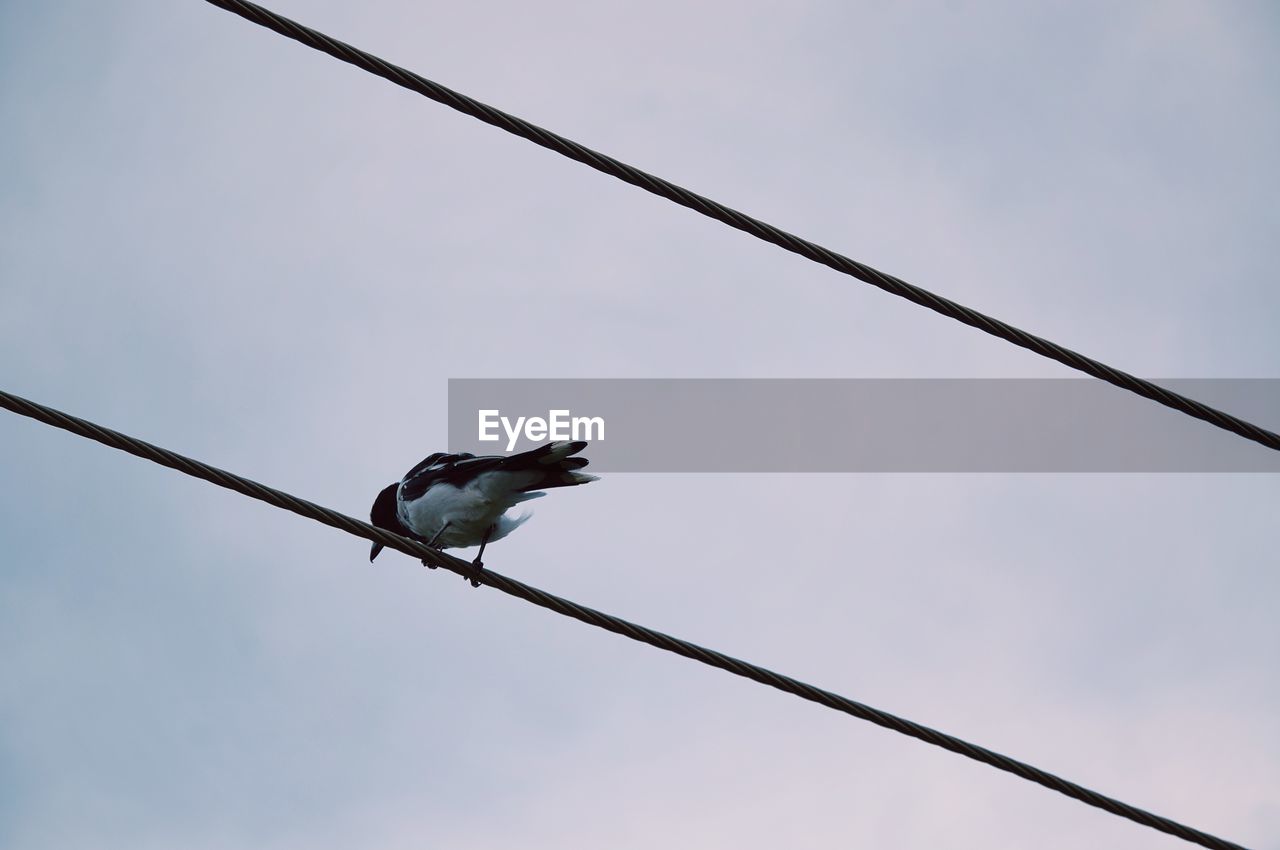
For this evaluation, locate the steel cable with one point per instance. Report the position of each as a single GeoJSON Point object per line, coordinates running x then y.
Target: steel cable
{"type": "Point", "coordinates": [617, 625]}
{"type": "Point", "coordinates": [741, 221]}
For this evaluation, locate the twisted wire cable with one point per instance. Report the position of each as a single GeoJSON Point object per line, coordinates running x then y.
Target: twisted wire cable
{"type": "Point", "coordinates": [617, 625]}
{"type": "Point", "coordinates": [741, 221]}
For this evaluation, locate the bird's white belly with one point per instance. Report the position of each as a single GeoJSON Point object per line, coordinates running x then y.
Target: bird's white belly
{"type": "Point", "coordinates": [464, 514]}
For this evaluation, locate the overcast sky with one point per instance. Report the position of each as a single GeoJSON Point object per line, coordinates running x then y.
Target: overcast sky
{"type": "Point", "coordinates": [244, 250]}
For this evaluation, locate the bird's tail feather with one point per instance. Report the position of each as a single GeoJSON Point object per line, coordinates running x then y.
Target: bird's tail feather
{"type": "Point", "coordinates": [553, 462]}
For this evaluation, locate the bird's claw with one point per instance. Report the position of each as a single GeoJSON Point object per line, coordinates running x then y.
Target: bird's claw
{"type": "Point", "coordinates": [434, 548]}
{"type": "Point", "coordinates": [478, 566]}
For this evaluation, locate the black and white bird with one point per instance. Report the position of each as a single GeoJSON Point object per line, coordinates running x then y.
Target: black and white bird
{"type": "Point", "coordinates": [453, 501]}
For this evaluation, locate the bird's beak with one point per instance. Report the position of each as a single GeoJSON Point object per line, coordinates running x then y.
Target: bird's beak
{"type": "Point", "coordinates": [373, 553]}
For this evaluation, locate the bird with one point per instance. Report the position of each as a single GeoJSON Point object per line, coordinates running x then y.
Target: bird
{"type": "Point", "coordinates": [454, 501]}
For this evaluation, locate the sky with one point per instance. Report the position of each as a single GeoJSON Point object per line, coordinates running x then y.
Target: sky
{"type": "Point", "coordinates": [222, 242]}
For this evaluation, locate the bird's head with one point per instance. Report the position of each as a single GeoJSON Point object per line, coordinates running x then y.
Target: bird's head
{"type": "Point", "coordinates": [383, 515]}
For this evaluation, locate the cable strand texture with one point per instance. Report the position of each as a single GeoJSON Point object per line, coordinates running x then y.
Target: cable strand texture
{"type": "Point", "coordinates": [741, 221]}
{"type": "Point", "coordinates": [617, 625]}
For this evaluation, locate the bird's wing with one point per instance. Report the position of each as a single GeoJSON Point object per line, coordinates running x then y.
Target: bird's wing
{"type": "Point", "coordinates": [454, 469]}
{"type": "Point", "coordinates": [551, 462]}
{"type": "Point", "coordinates": [437, 459]}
